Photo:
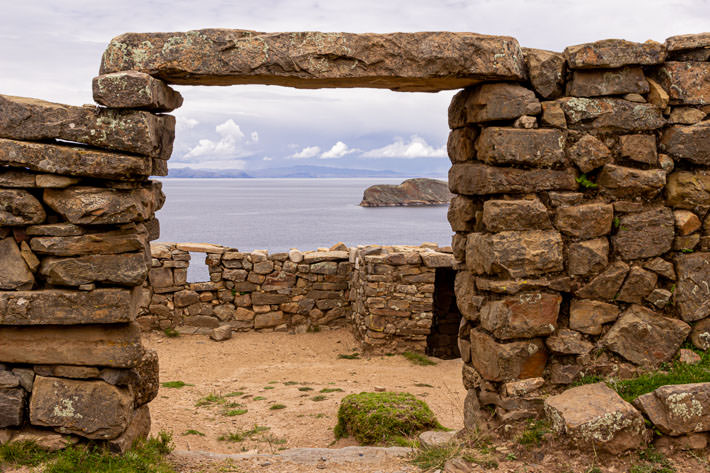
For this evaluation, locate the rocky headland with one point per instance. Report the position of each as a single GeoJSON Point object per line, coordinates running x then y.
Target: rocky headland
{"type": "Point", "coordinates": [410, 193]}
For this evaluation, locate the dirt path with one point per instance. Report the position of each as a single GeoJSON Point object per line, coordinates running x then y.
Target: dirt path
{"type": "Point", "coordinates": [254, 372]}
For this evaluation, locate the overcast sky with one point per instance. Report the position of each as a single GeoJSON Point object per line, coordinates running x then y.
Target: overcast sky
{"type": "Point", "coordinates": [52, 49]}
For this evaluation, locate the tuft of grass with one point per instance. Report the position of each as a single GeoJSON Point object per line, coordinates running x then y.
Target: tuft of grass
{"type": "Point", "coordinates": [290, 383]}
{"type": "Point", "coordinates": [652, 461]}
{"type": "Point", "coordinates": [175, 384]}
{"type": "Point", "coordinates": [588, 379]}
{"type": "Point", "coordinates": [331, 390]}
{"type": "Point", "coordinates": [533, 432]}
{"type": "Point", "coordinates": [193, 432]}
{"type": "Point", "coordinates": [234, 394]}
{"type": "Point", "coordinates": [171, 332]}
{"type": "Point", "coordinates": [351, 356]}
{"type": "Point", "coordinates": [584, 181]}
{"type": "Point", "coordinates": [242, 435]}
{"type": "Point", "coordinates": [258, 398]}
{"type": "Point", "coordinates": [319, 397]}
{"type": "Point", "coordinates": [435, 457]}
{"type": "Point", "coordinates": [418, 358]}
{"type": "Point", "coordinates": [379, 417]}
{"type": "Point", "coordinates": [276, 407]}
{"type": "Point", "coordinates": [235, 412]}
{"type": "Point", "coordinates": [305, 388]}
{"type": "Point", "coordinates": [22, 454]}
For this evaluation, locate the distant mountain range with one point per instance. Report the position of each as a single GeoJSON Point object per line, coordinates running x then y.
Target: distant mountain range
{"type": "Point", "coordinates": [285, 172]}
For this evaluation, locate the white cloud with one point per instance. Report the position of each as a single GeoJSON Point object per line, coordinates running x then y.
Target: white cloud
{"type": "Point", "coordinates": [230, 144]}
{"type": "Point", "coordinates": [267, 158]}
{"type": "Point", "coordinates": [417, 147]}
{"type": "Point", "coordinates": [307, 152]}
{"type": "Point", "coordinates": [185, 123]}
{"type": "Point", "coordinates": [254, 136]}
{"type": "Point", "coordinates": [338, 150]}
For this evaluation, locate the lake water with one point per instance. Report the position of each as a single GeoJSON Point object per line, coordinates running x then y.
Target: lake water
{"type": "Point", "coordinates": [279, 214]}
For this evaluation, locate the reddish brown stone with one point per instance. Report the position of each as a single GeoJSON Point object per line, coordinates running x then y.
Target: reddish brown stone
{"type": "Point", "coordinates": [507, 361]}
{"type": "Point", "coordinates": [568, 342]}
{"type": "Point", "coordinates": [693, 292]}
{"type": "Point", "coordinates": [623, 182]}
{"type": "Point", "coordinates": [19, 207]}
{"type": "Point", "coordinates": [688, 41]}
{"type": "Point", "coordinates": [585, 221]}
{"type": "Point", "coordinates": [611, 114]}
{"type": "Point", "coordinates": [588, 316]}
{"type": "Point", "coordinates": [607, 82]}
{"type": "Point", "coordinates": [588, 257]}
{"type": "Point", "coordinates": [97, 205]}
{"type": "Point", "coordinates": [641, 148]}
{"type": "Point", "coordinates": [461, 144]}
{"type": "Point", "coordinates": [688, 190]}
{"type": "Point", "coordinates": [462, 214]}
{"type": "Point", "coordinates": [688, 142]}
{"type": "Point", "coordinates": [113, 242]}
{"type": "Point", "coordinates": [539, 148]}
{"type": "Point", "coordinates": [612, 53]}
{"type": "Point", "coordinates": [525, 315]}
{"type": "Point", "coordinates": [677, 409]}
{"type": "Point", "coordinates": [685, 116]}
{"type": "Point", "coordinates": [686, 222]}
{"type": "Point", "coordinates": [546, 70]}
{"type": "Point", "coordinates": [644, 234]}
{"type": "Point", "coordinates": [607, 284]}
{"type": "Point", "coordinates": [501, 215]}
{"type": "Point", "coordinates": [639, 284]}
{"type": "Point", "coordinates": [480, 179]}
{"type": "Point", "coordinates": [132, 89]}
{"type": "Point", "coordinates": [127, 269]}
{"type": "Point", "coordinates": [687, 83]}
{"type": "Point", "coordinates": [492, 102]}
{"type": "Point", "coordinates": [589, 153]}
{"type": "Point", "coordinates": [429, 61]}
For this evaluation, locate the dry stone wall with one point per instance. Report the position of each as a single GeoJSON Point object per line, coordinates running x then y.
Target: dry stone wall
{"type": "Point", "coordinates": [581, 218]}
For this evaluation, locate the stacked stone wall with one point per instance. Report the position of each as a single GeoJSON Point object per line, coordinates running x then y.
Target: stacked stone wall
{"type": "Point", "coordinates": [581, 218]}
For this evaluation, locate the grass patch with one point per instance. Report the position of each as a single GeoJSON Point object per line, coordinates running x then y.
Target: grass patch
{"type": "Point", "coordinates": [210, 399]}
{"type": "Point", "coordinates": [268, 387]}
{"type": "Point", "coordinates": [331, 390]}
{"type": "Point", "coordinates": [351, 356]}
{"type": "Point", "coordinates": [305, 388]}
{"type": "Point", "coordinates": [418, 358]}
{"type": "Point", "coordinates": [242, 435]}
{"type": "Point", "coordinates": [276, 407]}
{"type": "Point", "coordinates": [533, 432]}
{"type": "Point", "coordinates": [423, 385]}
{"type": "Point", "coordinates": [259, 398]}
{"type": "Point", "coordinates": [175, 384]}
{"type": "Point", "coordinates": [235, 412]}
{"type": "Point", "coordinates": [379, 417]}
{"type": "Point", "coordinates": [319, 398]}
{"type": "Point", "coordinates": [171, 332]}
{"type": "Point", "coordinates": [146, 456]}
{"type": "Point", "coordinates": [234, 394]}
{"type": "Point", "coordinates": [193, 432]}
{"type": "Point", "coordinates": [434, 458]}
{"type": "Point", "coordinates": [290, 383]}
{"type": "Point", "coordinates": [652, 461]}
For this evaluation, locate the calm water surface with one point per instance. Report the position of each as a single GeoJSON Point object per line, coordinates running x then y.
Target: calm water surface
{"type": "Point", "coordinates": [279, 214]}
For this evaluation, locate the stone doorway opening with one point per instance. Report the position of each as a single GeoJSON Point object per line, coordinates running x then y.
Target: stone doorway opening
{"type": "Point", "coordinates": [442, 339]}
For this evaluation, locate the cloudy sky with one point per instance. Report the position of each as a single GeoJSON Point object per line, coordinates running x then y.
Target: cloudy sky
{"type": "Point", "coordinates": [52, 49]}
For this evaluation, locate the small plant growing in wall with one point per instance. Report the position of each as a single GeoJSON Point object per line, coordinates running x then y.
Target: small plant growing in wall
{"type": "Point", "coordinates": [584, 181]}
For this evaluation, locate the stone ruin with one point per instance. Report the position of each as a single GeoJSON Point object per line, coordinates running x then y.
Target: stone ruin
{"type": "Point", "coordinates": [581, 230]}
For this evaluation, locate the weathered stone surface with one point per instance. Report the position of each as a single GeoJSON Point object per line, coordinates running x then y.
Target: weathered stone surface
{"type": "Point", "coordinates": [685, 116]}
{"type": "Point", "coordinates": [538, 147]}
{"type": "Point", "coordinates": [501, 215]}
{"type": "Point", "coordinates": [568, 342]}
{"type": "Point", "coordinates": [117, 241]}
{"type": "Point", "coordinates": [461, 214]}
{"type": "Point", "coordinates": [553, 114]}
{"type": "Point", "coordinates": [480, 179]}
{"type": "Point", "coordinates": [692, 292]}
{"type": "Point", "coordinates": [588, 257]}
{"type": "Point", "coordinates": [595, 414]}
{"type": "Point", "coordinates": [688, 142]}
{"type": "Point", "coordinates": [588, 316]}
{"type": "Point", "coordinates": [515, 254]}
{"type": "Point", "coordinates": [73, 160]}
{"type": "Point", "coordinates": [412, 192]}
{"type": "Point", "coordinates": [589, 153]}
{"type": "Point", "coordinates": [644, 337]}
{"type": "Point", "coordinates": [687, 83]}
{"type": "Point", "coordinates": [686, 222]}
{"type": "Point", "coordinates": [269, 319]}
{"type": "Point", "coordinates": [143, 378]}
{"type": "Point", "coordinates": [15, 273]}
{"type": "Point", "coordinates": [610, 114]}
{"type": "Point", "coordinates": [92, 409]}
{"type": "Point", "coordinates": [641, 148]}
{"type": "Point", "coordinates": [221, 333]}
{"type": "Point", "coordinates": [45, 439]}
{"type": "Point", "coordinates": [67, 371]}
{"type": "Point", "coordinates": [428, 61]}
{"type": "Point", "coordinates": [55, 229]}
{"type": "Point", "coordinates": [133, 89]}
{"type": "Point", "coordinates": [436, 438]}
{"type": "Point", "coordinates": [507, 361]}
{"type": "Point", "coordinates": [585, 221]}
{"type": "Point", "coordinates": [687, 41]}
{"type": "Point", "coordinates": [607, 82]}
{"type": "Point", "coordinates": [96, 205]}
{"type": "Point", "coordinates": [639, 283]}
{"type": "Point", "coordinates": [138, 429]}
{"type": "Point", "coordinates": [492, 102]}
{"type": "Point", "coordinates": [12, 407]}
{"type": "Point", "coordinates": [660, 298]}
{"type": "Point", "coordinates": [127, 269]}
{"type": "Point", "coordinates": [467, 300]}
{"type": "Point", "coordinates": [700, 336]}
{"type": "Point", "coordinates": [624, 182]}
{"type": "Point", "coordinates": [19, 207]}
{"type": "Point", "coordinates": [525, 315]}
{"type": "Point", "coordinates": [16, 179]}
{"type": "Point", "coordinates": [436, 259]}
{"type": "Point", "coordinates": [612, 53]}
{"type": "Point", "coordinates": [60, 307]}
{"type": "Point", "coordinates": [461, 144]}
{"type": "Point", "coordinates": [678, 409]}
{"type": "Point", "coordinates": [123, 130]}
{"type": "Point", "coordinates": [88, 345]}
{"type": "Point", "coordinates": [546, 71]}
{"type": "Point", "coordinates": [607, 284]}
{"type": "Point", "coordinates": [688, 190]}
{"type": "Point", "coordinates": [644, 234]}
{"type": "Point", "coordinates": [668, 445]}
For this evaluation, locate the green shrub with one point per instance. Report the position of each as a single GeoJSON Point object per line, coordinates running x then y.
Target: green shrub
{"type": "Point", "coordinates": [379, 417]}
{"type": "Point", "coordinates": [418, 358]}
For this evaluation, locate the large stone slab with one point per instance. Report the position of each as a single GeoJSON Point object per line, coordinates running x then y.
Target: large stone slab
{"type": "Point", "coordinates": [492, 102]}
{"type": "Point", "coordinates": [606, 284]}
{"type": "Point", "coordinates": [117, 346]}
{"type": "Point", "coordinates": [19, 207]}
{"type": "Point", "coordinates": [428, 61]}
{"type": "Point", "coordinates": [134, 131]}
{"type": "Point", "coordinates": [595, 416]}
{"type": "Point", "coordinates": [113, 242]}
{"type": "Point", "coordinates": [15, 274]}
{"type": "Point", "coordinates": [62, 307]}
{"type": "Point", "coordinates": [678, 409]}
{"type": "Point", "coordinates": [693, 289]}
{"type": "Point", "coordinates": [127, 269]}
{"type": "Point", "coordinates": [480, 179]}
{"type": "Point", "coordinates": [96, 205]}
{"type": "Point", "coordinates": [92, 409]}
{"type": "Point", "coordinates": [688, 142]}
{"type": "Point", "coordinates": [524, 315]}
{"type": "Point", "coordinates": [73, 160]}
{"type": "Point", "coordinates": [644, 234]}
{"type": "Point", "coordinates": [612, 53]}
{"type": "Point", "coordinates": [143, 378]}
{"type": "Point", "coordinates": [687, 83]}
{"type": "Point", "coordinates": [588, 316]}
{"type": "Point", "coordinates": [507, 361]}
{"type": "Point", "coordinates": [644, 337]}
{"type": "Point", "coordinates": [687, 41]}
{"type": "Point", "coordinates": [526, 214]}
{"type": "Point", "coordinates": [586, 220]}
{"type": "Point", "coordinates": [625, 80]}
{"type": "Point", "coordinates": [623, 182]}
{"type": "Point", "coordinates": [515, 254]}
{"type": "Point", "coordinates": [546, 71]}
{"type": "Point", "coordinates": [610, 114]}
{"type": "Point", "coordinates": [12, 407]}
{"type": "Point", "coordinates": [543, 147]}
{"type": "Point", "coordinates": [688, 190]}
{"type": "Point", "coordinates": [132, 89]}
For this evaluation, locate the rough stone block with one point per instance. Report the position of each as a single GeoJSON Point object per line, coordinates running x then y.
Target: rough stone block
{"type": "Point", "coordinates": [678, 409]}
{"type": "Point", "coordinates": [507, 361]}
{"type": "Point", "coordinates": [462, 214]}
{"type": "Point", "coordinates": [622, 182]}
{"type": "Point", "coordinates": [638, 284]}
{"type": "Point", "coordinates": [641, 148]}
{"type": "Point", "coordinates": [61, 307]}
{"type": "Point", "coordinates": [644, 337]}
{"type": "Point", "coordinates": [502, 215]}
{"type": "Point", "coordinates": [492, 102]}
{"type": "Point", "coordinates": [611, 114]}
{"type": "Point", "coordinates": [95, 205]}
{"type": "Point", "coordinates": [525, 315]}
{"type": "Point", "coordinates": [588, 257]}
{"type": "Point", "coordinates": [626, 80]}
{"type": "Point", "coordinates": [606, 284]}
{"type": "Point", "coordinates": [589, 153]}
{"type": "Point", "coordinates": [644, 234]}
{"type": "Point", "coordinates": [127, 269]}
{"type": "Point", "coordinates": [116, 346]}
{"type": "Point", "coordinates": [142, 379]}
{"type": "Point", "coordinates": [112, 242]}
{"type": "Point", "coordinates": [480, 179]}
{"type": "Point", "coordinates": [588, 316]}
{"type": "Point", "coordinates": [568, 342]}
{"type": "Point", "coordinates": [19, 207]}
{"type": "Point", "coordinates": [12, 407]}
{"type": "Point", "coordinates": [613, 53]}
{"type": "Point", "coordinates": [688, 190]}
{"type": "Point", "coordinates": [138, 429]}
{"type": "Point", "coordinates": [687, 83]}
{"type": "Point", "coordinates": [693, 292]}
{"type": "Point", "coordinates": [515, 254]}
{"type": "Point", "coordinates": [585, 221]}
{"type": "Point", "coordinates": [269, 319]}
{"type": "Point", "coordinates": [461, 144]}
{"type": "Point", "coordinates": [15, 273]}
{"type": "Point", "coordinates": [690, 143]}
{"type": "Point", "coordinates": [133, 89]}
{"type": "Point", "coordinates": [467, 299]}
{"type": "Point", "coordinates": [537, 147]}
{"type": "Point", "coordinates": [546, 71]}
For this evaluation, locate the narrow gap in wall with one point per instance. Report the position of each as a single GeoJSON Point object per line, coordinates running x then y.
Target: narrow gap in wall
{"type": "Point", "coordinates": [198, 270]}
{"type": "Point", "coordinates": [442, 339]}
